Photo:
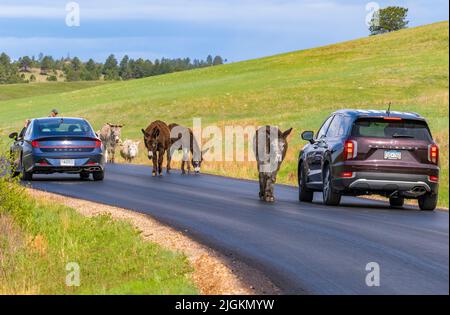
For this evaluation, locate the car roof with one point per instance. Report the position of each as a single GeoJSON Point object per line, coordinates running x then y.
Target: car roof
{"type": "Point", "coordinates": [357, 113]}
{"type": "Point", "coordinates": [58, 118]}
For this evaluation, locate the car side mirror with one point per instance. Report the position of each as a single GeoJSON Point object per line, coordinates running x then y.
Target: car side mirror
{"type": "Point", "coordinates": [14, 135]}
{"type": "Point", "coordinates": [308, 136]}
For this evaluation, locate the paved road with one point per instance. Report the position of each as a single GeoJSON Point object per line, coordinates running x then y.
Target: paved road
{"type": "Point", "coordinates": [303, 248]}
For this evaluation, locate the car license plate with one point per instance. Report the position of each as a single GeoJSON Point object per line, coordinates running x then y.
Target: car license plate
{"type": "Point", "coordinates": [392, 155]}
{"type": "Point", "coordinates": [67, 162]}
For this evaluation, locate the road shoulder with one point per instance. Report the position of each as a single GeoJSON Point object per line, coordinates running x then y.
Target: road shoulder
{"type": "Point", "coordinates": [214, 273]}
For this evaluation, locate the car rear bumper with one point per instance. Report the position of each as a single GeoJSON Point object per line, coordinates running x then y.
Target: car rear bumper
{"type": "Point", "coordinates": [38, 169]}
{"type": "Point", "coordinates": [44, 164]}
{"type": "Point", "coordinates": [408, 185]}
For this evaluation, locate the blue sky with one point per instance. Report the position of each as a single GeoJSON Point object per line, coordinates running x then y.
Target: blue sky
{"type": "Point", "coordinates": [235, 29]}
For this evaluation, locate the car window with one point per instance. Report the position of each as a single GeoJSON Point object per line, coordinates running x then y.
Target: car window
{"type": "Point", "coordinates": [338, 126]}
{"type": "Point", "coordinates": [381, 128]}
{"type": "Point", "coordinates": [323, 130]}
{"type": "Point", "coordinates": [63, 127]}
{"type": "Point", "coordinates": [28, 131]}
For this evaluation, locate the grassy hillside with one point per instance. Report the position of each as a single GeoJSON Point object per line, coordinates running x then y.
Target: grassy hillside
{"type": "Point", "coordinates": [12, 91]}
{"type": "Point", "coordinates": [408, 68]}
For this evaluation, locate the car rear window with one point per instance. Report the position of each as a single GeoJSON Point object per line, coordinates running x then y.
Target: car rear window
{"type": "Point", "coordinates": [62, 127]}
{"type": "Point", "coordinates": [382, 128]}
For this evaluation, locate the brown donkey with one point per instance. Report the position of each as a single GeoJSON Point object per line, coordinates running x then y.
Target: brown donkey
{"type": "Point", "coordinates": [270, 146]}
{"type": "Point", "coordinates": [157, 142]}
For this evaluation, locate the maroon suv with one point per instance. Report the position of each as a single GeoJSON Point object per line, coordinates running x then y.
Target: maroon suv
{"type": "Point", "coordinates": [363, 152]}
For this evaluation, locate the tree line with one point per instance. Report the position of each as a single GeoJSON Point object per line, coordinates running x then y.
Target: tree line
{"type": "Point", "coordinates": [73, 69]}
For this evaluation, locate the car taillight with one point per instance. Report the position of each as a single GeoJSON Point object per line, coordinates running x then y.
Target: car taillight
{"type": "Point", "coordinates": [35, 144]}
{"type": "Point", "coordinates": [346, 175]}
{"type": "Point", "coordinates": [98, 143]}
{"type": "Point", "coordinates": [433, 179]}
{"type": "Point", "coordinates": [433, 153]}
{"type": "Point", "coordinates": [350, 149]}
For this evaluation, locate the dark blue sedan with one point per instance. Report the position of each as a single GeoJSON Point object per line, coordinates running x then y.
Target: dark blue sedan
{"type": "Point", "coordinates": [57, 145]}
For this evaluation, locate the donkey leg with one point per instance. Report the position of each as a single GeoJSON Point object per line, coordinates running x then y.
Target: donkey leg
{"type": "Point", "coordinates": [160, 161]}
{"type": "Point", "coordinates": [155, 164]}
{"type": "Point", "coordinates": [261, 185]}
{"type": "Point", "coordinates": [268, 194]}
{"type": "Point", "coordinates": [273, 180]}
{"type": "Point", "coordinates": [185, 161]}
{"type": "Point", "coordinates": [189, 166]}
{"type": "Point", "coordinates": [169, 159]}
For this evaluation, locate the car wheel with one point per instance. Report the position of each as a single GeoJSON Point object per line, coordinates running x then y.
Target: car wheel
{"type": "Point", "coordinates": [396, 201]}
{"type": "Point", "coordinates": [84, 175]}
{"type": "Point", "coordinates": [98, 176]}
{"type": "Point", "coordinates": [304, 194]}
{"type": "Point", "coordinates": [428, 202]}
{"type": "Point", "coordinates": [26, 176]}
{"type": "Point", "coordinates": [330, 196]}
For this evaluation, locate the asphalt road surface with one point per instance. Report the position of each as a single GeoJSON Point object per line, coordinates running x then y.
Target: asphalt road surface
{"type": "Point", "coordinates": [303, 248]}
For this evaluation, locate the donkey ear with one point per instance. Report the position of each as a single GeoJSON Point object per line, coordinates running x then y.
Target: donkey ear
{"type": "Point", "coordinates": [287, 133]}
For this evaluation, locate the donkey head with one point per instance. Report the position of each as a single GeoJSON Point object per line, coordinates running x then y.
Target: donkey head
{"type": "Point", "coordinates": [116, 132]}
{"type": "Point", "coordinates": [151, 141]}
{"type": "Point", "coordinates": [197, 162]}
{"type": "Point", "coordinates": [272, 146]}
{"type": "Point", "coordinates": [282, 147]}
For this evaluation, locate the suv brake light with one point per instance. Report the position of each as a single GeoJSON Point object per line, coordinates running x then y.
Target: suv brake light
{"type": "Point", "coordinates": [350, 149]}
{"type": "Point", "coordinates": [35, 144]}
{"type": "Point", "coordinates": [433, 153]}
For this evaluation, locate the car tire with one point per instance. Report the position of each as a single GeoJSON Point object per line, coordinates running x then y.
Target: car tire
{"type": "Point", "coordinates": [98, 176]}
{"type": "Point", "coordinates": [84, 175]}
{"type": "Point", "coordinates": [428, 202]}
{"type": "Point", "coordinates": [330, 196]}
{"type": "Point", "coordinates": [304, 194]}
{"type": "Point", "coordinates": [396, 202]}
{"type": "Point", "coordinates": [26, 176]}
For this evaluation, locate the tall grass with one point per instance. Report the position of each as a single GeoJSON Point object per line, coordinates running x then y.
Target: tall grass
{"type": "Point", "coordinates": [38, 240]}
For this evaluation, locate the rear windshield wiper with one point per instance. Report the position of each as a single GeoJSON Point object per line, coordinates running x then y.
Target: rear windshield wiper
{"type": "Point", "coordinates": [402, 136]}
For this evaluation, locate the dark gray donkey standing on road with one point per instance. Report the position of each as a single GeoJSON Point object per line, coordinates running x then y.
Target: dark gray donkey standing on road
{"type": "Point", "coordinates": [270, 146]}
{"type": "Point", "coordinates": [110, 135]}
{"type": "Point", "coordinates": [183, 139]}
{"type": "Point", "coordinates": [157, 142]}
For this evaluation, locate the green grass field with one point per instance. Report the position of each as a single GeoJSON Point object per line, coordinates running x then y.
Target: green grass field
{"type": "Point", "coordinates": [22, 90]}
{"type": "Point", "coordinates": [38, 240]}
{"type": "Point", "coordinates": [299, 89]}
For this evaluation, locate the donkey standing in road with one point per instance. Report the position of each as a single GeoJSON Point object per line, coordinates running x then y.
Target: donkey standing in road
{"type": "Point", "coordinates": [157, 142]}
{"type": "Point", "coordinates": [110, 135]}
{"type": "Point", "coordinates": [270, 146]}
{"type": "Point", "coordinates": [182, 139]}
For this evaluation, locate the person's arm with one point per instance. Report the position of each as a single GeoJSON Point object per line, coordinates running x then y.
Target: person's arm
{"type": "Point", "coordinates": [24, 129]}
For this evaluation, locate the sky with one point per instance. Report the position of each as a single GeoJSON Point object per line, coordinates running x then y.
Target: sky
{"type": "Point", "coordinates": [235, 29]}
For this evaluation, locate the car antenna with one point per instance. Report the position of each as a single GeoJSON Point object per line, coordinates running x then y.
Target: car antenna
{"type": "Point", "coordinates": [389, 109]}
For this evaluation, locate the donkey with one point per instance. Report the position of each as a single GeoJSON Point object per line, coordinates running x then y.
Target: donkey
{"type": "Point", "coordinates": [270, 146]}
{"type": "Point", "coordinates": [110, 135]}
{"type": "Point", "coordinates": [129, 150]}
{"type": "Point", "coordinates": [157, 142]}
{"type": "Point", "coordinates": [178, 135]}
